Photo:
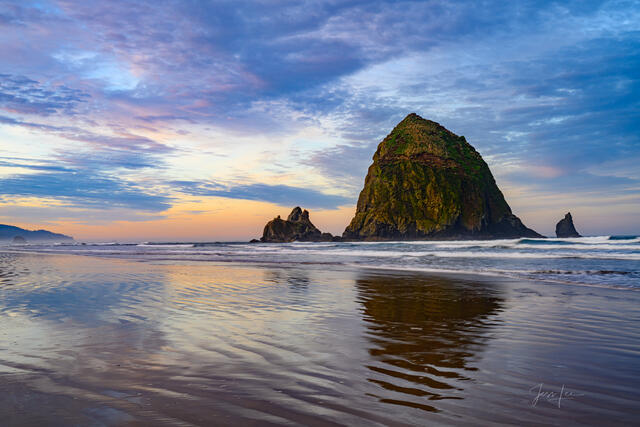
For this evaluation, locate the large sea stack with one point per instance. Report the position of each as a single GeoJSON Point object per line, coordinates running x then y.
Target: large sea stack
{"type": "Point", "coordinates": [297, 227]}
{"type": "Point", "coordinates": [428, 183]}
{"type": "Point", "coordinates": [565, 227]}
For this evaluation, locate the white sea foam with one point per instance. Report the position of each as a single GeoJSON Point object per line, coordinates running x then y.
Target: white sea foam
{"type": "Point", "coordinates": [597, 259]}
{"type": "Point", "coordinates": [171, 245]}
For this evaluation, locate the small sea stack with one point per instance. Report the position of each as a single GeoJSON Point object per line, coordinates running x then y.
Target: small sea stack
{"type": "Point", "coordinates": [19, 240]}
{"type": "Point", "coordinates": [297, 227]}
{"type": "Point", "coordinates": [565, 227]}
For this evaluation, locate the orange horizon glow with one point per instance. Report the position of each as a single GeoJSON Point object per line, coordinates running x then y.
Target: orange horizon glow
{"type": "Point", "coordinates": [218, 219]}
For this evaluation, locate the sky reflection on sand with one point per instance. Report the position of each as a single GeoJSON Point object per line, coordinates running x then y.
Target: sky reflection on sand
{"type": "Point", "coordinates": [89, 340]}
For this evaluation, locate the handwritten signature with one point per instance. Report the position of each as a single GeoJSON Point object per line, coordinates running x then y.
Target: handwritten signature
{"type": "Point", "coordinates": [552, 396]}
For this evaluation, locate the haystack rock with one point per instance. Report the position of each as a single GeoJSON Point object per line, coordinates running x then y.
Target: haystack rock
{"type": "Point", "coordinates": [428, 183]}
{"type": "Point", "coordinates": [297, 227]}
{"type": "Point", "coordinates": [565, 227]}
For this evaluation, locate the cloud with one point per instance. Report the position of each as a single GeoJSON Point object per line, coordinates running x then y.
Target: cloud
{"type": "Point", "coordinates": [21, 163]}
{"type": "Point", "coordinates": [83, 189]}
{"type": "Point", "coordinates": [19, 94]}
{"type": "Point", "coordinates": [558, 99]}
{"type": "Point", "coordinates": [576, 183]}
{"type": "Point", "coordinates": [344, 164]}
{"type": "Point", "coordinates": [122, 150]}
{"type": "Point", "coordinates": [53, 215]}
{"type": "Point", "coordinates": [283, 195]}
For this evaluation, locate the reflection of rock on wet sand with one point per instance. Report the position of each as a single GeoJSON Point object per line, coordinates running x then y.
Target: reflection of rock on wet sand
{"type": "Point", "coordinates": [425, 334]}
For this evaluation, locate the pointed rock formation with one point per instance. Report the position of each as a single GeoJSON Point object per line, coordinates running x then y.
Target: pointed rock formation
{"type": "Point", "coordinates": [297, 227]}
{"type": "Point", "coordinates": [428, 183]}
{"type": "Point", "coordinates": [565, 227]}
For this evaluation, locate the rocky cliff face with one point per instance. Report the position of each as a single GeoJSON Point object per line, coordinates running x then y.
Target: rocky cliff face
{"type": "Point", "coordinates": [428, 183]}
{"type": "Point", "coordinates": [565, 227]}
{"type": "Point", "coordinates": [297, 227]}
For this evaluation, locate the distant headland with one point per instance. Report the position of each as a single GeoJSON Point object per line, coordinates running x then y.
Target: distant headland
{"type": "Point", "coordinates": [17, 235]}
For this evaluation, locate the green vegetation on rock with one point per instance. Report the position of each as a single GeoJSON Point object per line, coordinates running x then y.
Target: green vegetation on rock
{"type": "Point", "coordinates": [426, 182]}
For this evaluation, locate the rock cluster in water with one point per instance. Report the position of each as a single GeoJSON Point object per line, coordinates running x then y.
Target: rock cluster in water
{"type": "Point", "coordinates": [565, 227]}
{"type": "Point", "coordinates": [297, 227]}
{"type": "Point", "coordinates": [428, 183]}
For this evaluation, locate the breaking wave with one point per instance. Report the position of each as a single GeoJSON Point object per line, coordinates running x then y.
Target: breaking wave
{"type": "Point", "coordinates": [602, 260]}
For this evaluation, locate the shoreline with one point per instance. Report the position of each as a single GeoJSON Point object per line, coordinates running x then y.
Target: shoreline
{"type": "Point", "coordinates": [445, 273]}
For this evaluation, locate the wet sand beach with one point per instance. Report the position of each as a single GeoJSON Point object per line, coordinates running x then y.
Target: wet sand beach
{"type": "Point", "coordinates": [95, 341]}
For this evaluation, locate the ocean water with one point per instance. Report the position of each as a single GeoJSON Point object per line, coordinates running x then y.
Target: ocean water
{"type": "Point", "coordinates": [605, 260]}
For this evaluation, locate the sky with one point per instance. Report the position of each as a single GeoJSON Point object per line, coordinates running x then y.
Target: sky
{"type": "Point", "coordinates": [201, 120]}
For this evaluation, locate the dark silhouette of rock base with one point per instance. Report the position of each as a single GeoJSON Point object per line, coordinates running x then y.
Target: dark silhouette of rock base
{"type": "Point", "coordinates": [297, 227]}
{"type": "Point", "coordinates": [18, 240]}
{"type": "Point", "coordinates": [565, 227]}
